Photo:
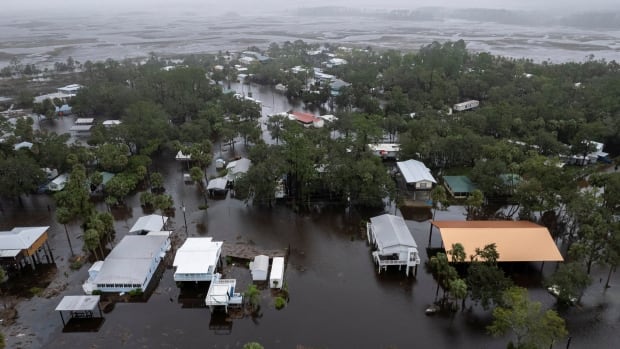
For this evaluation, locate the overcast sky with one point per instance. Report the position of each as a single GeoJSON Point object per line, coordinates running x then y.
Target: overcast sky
{"type": "Point", "coordinates": [242, 6]}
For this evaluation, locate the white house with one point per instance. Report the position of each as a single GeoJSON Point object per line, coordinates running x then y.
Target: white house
{"type": "Point", "coordinates": [259, 268]}
{"type": "Point", "coordinates": [129, 266]}
{"type": "Point", "coordinates": [393, 243]}
{"type": "Point", "coordinates": [467, 105]}
{"type": "Point", "coordinates": [222, 293]}
{"type": "Point", "coordinates": [385, 150]}
{"type": "Point", "coordinates": [146, 224]}
{"type": "Point", "coordinates": [238, 168]}
{"type": "Point", "coordinates": [71, 90]}
{"type": "Point", "coordinates": [197, 260]}
{"type": "Point", "coordinates": [58, 183]}
{"type": "Point", "coordinates": [418, 177]}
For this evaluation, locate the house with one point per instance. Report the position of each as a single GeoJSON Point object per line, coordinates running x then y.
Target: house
{"type": "Point", "coordinates": [22, 245]}
{"type": "Point", "coordinates": [146, 224]}
{"type": "Point", "coordinates": [247, 60]}
{"type": "Point", "coordinates": [467, 105]}
{"type": "Point", "coordinates": [217, 186]}
{"type": "Point", "coordinates": [515, 241]}
{"type": "Point", "coordinates": [393, 243]}
{"type": "Point", "coordinates": [385, 150]}
{"type": "Point", "coordinates": [23, 145]}
{"type": "Point", "coordinates": [183, 157]}
{"type": "Point", "coordinates": [222, 293]}
{"type": "Point", "coordinates": [277, 273]}
{"type": "Point", "coordinates": [197, 260]}
{"type": "Point", "coordinates": [82, 126]}
{"type": "Point", "coordinates": [417, 177]}
{"type": "Point", "coordinates": [71, 90]}
{"type": "Point", "coordinates": [459, 187]}
{"type": "Point", "coordinates": [129, 266]}
{"type": "Point", "coordinates": [306, 119]}
{"type": "Point", "coordinates": [58, 183]}
{"type": "Point", "coordinates": [336, 86]}
{"type": "Point", "coordinates": [259, 268]}
{"type": "Point", "coordinates": [238, 168]}
{"type": "Point", "coordinates": [111, 123]}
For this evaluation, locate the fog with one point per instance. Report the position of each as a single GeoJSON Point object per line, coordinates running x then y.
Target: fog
{"type": "Point", "coordinates": [213, 7]}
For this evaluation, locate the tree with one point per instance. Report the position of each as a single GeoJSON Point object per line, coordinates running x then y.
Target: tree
{"type": "Point", "coordinates": [144, 127]}
{"type": "Point", "coordinates": [19, 174]}
{"type": "Point", "coordinates": [157, 180]}
{"type": "Point", "coordinates": [440, 199]}
{"type": "Point", "coordinates": [485, 280]}
{"type": "Point", "coordinates": [92, 241]}
{"type": "Point", "coordinates": [531, 327]}
{"type": "Point", "coordinates": [253, 345]}
{"type": "Point", "coordinates": [570, 280]}
{"type": "Point", "coordinates": [473, 204]}
{"type": "Point", "coordinates": [64, 216]}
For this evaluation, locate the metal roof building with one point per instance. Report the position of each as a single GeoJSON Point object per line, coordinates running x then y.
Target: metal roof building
{"type": "Point", "coordinates": [415, 171]}
{"type": "Point", "coordinates": [145, 224]}
{"type": "Point", "coordinates": [394, 244]}
{"type": "Point", "coordinates": [129, 266]}
{"type": "Point", "coordinates": [197, 259]}
{"type": "Point", "coordinates": [459, 186]}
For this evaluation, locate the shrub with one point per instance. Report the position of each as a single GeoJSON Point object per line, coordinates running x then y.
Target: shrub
{"type": "Point", "coordinates": [35, 291]}
{"type": "Point", "coordinates": [76, 264]}
{"type": "Point", "coordinates": [136, 292]}
{"type": "Point", "coordinates": [280, 302]}
{"type": "Point", "coordinates": [97, 293]}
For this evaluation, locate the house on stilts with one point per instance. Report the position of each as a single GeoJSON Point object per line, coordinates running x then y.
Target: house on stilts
{"type": "Point", "coordinates": [393, 243]}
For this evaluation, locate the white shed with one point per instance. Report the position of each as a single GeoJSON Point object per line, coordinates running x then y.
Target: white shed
{"type": "Point", "coordinates": [277, 272]}
{"type": "Point", "coordinates": [259, 268]}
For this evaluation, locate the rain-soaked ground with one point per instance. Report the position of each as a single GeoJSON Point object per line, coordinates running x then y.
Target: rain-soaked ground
{"type": "Point", "coordinates": [337, 299]}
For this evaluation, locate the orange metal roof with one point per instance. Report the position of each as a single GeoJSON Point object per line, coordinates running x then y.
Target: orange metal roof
{"type": "Point", "coordinates": [516, 241]}
{"type": "Point", "coordinates": [305, 118]}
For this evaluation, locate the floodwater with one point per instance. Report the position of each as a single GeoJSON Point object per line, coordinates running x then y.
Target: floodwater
{"type": "Point", "coordinates": [337, 299]}
{"type": "Point", "coordinates": [48, 39]}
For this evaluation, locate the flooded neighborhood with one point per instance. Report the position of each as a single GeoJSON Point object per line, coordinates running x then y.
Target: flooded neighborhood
{"type": "Point", "coordinates": [306, 181]}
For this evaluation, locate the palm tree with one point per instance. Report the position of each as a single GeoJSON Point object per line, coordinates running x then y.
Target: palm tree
{"type": "Point", "coordinates": [63, 215]}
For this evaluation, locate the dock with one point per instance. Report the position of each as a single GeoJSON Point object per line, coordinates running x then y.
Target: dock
{"type": "Point", "coordinates": [247, 251]}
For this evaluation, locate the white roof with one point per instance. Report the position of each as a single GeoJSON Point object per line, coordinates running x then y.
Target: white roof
{"type": "Point", "coordinates": [148, 223]}
{"type": "Point", "coordinates": [22, 145]}
{"type": "Point", "coordinates": [260, 263]}
{"type": "Point", "coordinates": [80, 128]}
{"type": "Point", "coordinates": [389, 147]}
{"type": "Point", "coordinates": [239, 166]}
{"type": "Point", "coordinates": [277, 268]}
{"type": "Point", "coordinates": [217, 183]}
{"type": "Point", "coordinates": [182, 157]}
{"type": "Point", "coordinates": [78, 303]}
{"type": "Point", "coordinates": [329, 117]}
{"type": "Point", "coordinates": [96, 266]}
{"type": "Point", "coordinates": [415, 171]}
{"type": "Point", "coordinates": [197, 256]}
{"type": "Point", "coordinates": [84, 121]}
{"type": "Point", "coordinates": [111, 122]}
{"type": "Point", "coordinates": [390, 230]}
{"type": "Point", "coordinates": [9, 253]}
{"type": "Point", "coordinates": [20, 238]}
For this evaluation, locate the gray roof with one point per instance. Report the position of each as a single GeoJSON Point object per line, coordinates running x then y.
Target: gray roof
{"type": "Point", "coordinates": [415, 171]}
{"type": "Point", "coordinates": [78, 303]}
{"type": "Point", "coordinates": [137, 247]}
{"type": "Point", "coordinates": [217, 183]}
{"type": "Point", "coordinates": [239, 166]}
{"type": "Point", "coordinates": [153, 222]}
{"type": "Point", "coordinates": [20, 238]}
{"type": "Point", "coordinates": [391, 231]}
{"type": "Point", "coordinates": [130, 261]}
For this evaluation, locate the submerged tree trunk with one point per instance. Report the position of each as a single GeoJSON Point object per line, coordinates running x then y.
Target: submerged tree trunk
{"type": "Point", "coordinates": [69, 241]}
{"type": "Point", "coordinates": [612, 268]}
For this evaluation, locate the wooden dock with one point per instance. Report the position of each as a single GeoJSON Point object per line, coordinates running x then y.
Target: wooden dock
{"type": "Point", "coordinates": [247, 251]}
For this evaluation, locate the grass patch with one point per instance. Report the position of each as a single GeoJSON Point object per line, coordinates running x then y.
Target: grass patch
{"type": "Point", "coordinates": [280, 302]}
{"type": "Point", "coordinates": [35, 291]}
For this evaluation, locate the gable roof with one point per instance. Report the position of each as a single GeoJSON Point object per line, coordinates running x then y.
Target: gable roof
{"type": "Point", "coordinates": [20, 238]}
{"type": "Point", "coordinates": [415, 171]}
{"type": "Point", "coordinates": [152, 222]}
{"type": "Point", "coordinates": [391, 231]}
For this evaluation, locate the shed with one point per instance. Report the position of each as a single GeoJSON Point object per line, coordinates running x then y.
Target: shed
{"type": "Point", "coordinates": [277, 272]}
{"type": "Point", "coordinates": [79, 307]}
{"type": "Point", "coordinates": [259, 268]}
{"type": "Point", "coordinates": [459, 186]}
{"type": "Point", "coordinates": [394, 244]}
{"type": "Point", "coordinates": [145, 224]}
